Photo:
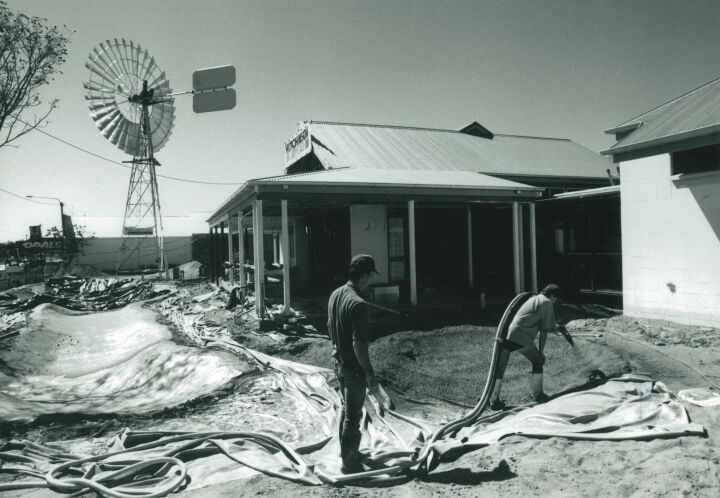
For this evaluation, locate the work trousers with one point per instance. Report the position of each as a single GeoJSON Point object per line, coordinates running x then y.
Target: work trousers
{"type": "Point", "coordinates": [352, 390]}
{"type": "Point", "coordinates": [529, 352]}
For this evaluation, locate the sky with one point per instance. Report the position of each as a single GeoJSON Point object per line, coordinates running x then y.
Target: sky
{"type": "Point", "coordinates": [552, 68]}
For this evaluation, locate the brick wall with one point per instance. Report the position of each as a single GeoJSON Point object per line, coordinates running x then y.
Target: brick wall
{"type": "Point", "coordinates": [670, 242]}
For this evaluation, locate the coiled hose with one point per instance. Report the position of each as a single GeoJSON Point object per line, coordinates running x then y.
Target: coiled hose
{"type": "Point", "coordinates": [172, 473]}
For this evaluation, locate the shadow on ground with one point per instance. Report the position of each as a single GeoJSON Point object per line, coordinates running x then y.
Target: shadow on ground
{"type": "Point", "coordinates": [465, 476]}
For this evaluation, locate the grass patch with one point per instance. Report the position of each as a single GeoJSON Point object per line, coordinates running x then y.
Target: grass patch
{"type": "Point", "coordinates": [452, 363]}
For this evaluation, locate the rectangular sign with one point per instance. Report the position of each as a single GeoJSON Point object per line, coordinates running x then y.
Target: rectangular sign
{"type": "Point", "coordinates": [139, 231]}
{"type": "Point", "coordinates": [213, 77]}
{"type": "Point", "coordinates": [35, 232]}
{"type": "Point", "coordinates": [297, 147]}
{"type": "Point", "coordinates": [220, 100]}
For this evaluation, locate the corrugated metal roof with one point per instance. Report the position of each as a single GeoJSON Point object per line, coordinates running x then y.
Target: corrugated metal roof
{"type": "Point", "coordinates": [403, 148]}
{"type": "Point", "coordinates": [433, 181]}
{"type": "Point", "coordinates": [400, 178]}
{"type": "Point", "coordinates": [691, 113]}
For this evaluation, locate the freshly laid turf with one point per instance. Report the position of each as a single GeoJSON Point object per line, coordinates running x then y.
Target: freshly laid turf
{"type": "Point", "coordinates": [452, 363]}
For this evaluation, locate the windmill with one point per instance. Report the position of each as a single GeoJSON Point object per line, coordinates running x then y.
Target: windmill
{"type": "Point", "coordinates": [130, 100]}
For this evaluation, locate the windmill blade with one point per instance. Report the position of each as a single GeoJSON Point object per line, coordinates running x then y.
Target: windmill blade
{"type": "Point", "coordinates": [102, 114]}
{"type": "Point", "coordinates": [115, 135]}
{"type": "Point", "coordinates": [117, 69]}
{"type": "Point", "coordinates": [105, 120]}
{"type": "Point", "coordinates": [100, 72]}
{"type": "Point", "coordinates": [149, 69]}
{"type": "Point", "coordinates": [97, 107]}
{"type": "Point", "coordinates": [157, 81]}
{"type": "Point", "coordinates": [96, 103]}
{"type": "Point", "coordinates": [135, 50]}
{"type": "Point", "coordinates": [97, 87]}
{"type": "Point", "coordinates": [112, 125]}
{"type": "Point", "coordinates": [123, 57]}
{"type": "Point", "coordinates": [127, 138]}
{"type": "Point", "coordinates": [105, 60]}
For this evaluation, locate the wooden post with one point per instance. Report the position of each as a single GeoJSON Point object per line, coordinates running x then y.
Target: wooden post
{"type": "Point", "coordinates": [221, 247]}
{"type": "Point", "coordinates": [471, 279]}
{"type": "Point", "coordinates": [241, 248]}
{"type": "Point", "coordinates": [218, 258]}
{"type": "Point", "coordinates": [259, 262]}
{"type": "Point", "coordinates": [521, 245]}
{"type": "Point", "coordinates": [231, 251]}
{"type": "Point", "coordinates": [533, 249]}
{"type": "Point", "coordinates": [285, 250]}
{"type": "Point", "coordinates": [411, 237]}
{"type": "Point", "coordinates": [516, 247]}
{"type": "Point", "coordinates": [211, 240]}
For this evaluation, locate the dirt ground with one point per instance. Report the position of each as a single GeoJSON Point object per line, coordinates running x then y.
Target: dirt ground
{"type": "Point", "coordinates": [450, 363]}
{"type": "Point", "coordinates": [679, 356]}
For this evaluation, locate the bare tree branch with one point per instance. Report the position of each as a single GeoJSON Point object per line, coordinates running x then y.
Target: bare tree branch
{"type": "Point", "coordinates": [31, 53]}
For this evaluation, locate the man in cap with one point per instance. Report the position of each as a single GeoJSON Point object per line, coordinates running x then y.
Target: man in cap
{"type": "Point", "coordinates": [347, 324]}
{"type": "Point", "coordinates": [537, 314]}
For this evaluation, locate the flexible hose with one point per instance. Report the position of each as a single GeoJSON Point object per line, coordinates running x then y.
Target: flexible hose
{"type": "Point", "coordinates": [424, 458]}
{"type": "Point", "coordinates": [125, 485]}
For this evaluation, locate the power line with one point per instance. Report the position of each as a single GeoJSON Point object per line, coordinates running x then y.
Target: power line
{"type": "Point", "coordinates": [26, 199]}
{"type": "Point", "coordinates": [125, 165]}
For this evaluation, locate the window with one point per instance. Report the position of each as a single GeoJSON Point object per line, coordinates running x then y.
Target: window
{"type": "Point", "coordinates": [396, 248]}
{"type": "Point", "coordinates": [696, 160]}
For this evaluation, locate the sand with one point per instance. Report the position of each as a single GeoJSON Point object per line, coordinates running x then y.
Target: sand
{"type": "Point", "coordinates": [521, 467]}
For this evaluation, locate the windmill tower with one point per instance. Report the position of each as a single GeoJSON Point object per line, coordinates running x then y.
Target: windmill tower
{"type": "Point", "coordinates": [130, 101]}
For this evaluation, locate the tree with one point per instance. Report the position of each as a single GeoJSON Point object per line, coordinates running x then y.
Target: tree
{"type": "Point", "coordinates": [31, 53]}
{"type": "Point", "coordinates": [72, 242]}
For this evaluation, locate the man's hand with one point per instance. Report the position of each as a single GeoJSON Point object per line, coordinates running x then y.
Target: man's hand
{"type": "Point", "coordinates": [372, 384]}
{"type": "Point", "coordinates": [564, 331]}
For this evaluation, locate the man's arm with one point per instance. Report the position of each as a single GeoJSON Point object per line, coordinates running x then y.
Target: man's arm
{"type": "Point", "coordinates": [360, 347]}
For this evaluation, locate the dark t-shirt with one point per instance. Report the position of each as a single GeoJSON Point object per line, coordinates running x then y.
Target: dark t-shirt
{"type": "Point", "coordinates": [347, 321]}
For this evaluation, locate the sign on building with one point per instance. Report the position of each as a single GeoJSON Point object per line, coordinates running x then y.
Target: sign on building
{"type": "Point", "coordinates": [35, 232]}
{"type": "Point", "coordinates": [298, 146]}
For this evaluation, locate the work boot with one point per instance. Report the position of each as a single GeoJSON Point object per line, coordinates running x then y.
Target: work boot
{"type": "Point", "coordinates": [536, 387]}
{"type": "Point", "coordinates": [349, 451]}
{"type": "Point", "coordinates": [352, 467]}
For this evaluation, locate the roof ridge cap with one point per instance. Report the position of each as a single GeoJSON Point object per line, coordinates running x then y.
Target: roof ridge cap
{"type": "Point", "coordinates": [680, 97]}
{"type": "Point", "coordinates": [368, 125]}
{"type": "Point", "coordinates": [532, 136]}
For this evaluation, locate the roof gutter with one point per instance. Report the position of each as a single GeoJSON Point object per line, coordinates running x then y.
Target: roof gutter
{"type": "Point", "coordinates": [592, 192]}
{"type": "Point", "coordinates": [237, 197]}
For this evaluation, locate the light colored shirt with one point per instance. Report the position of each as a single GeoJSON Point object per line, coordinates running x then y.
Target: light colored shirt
{"type": "Point", "coordinates": [535, 314]}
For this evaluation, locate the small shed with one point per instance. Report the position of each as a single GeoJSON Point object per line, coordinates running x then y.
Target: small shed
{"type": "Point", "coordinates": [191, 270]}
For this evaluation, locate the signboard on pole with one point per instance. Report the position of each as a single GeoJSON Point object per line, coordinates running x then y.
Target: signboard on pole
{"type": "Point", "coordinates": [213, 77]}
{"type": "Point", "coordinates": [219, 100]}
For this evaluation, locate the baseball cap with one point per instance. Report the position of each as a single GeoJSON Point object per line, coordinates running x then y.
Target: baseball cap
{"type": "Point", "coordinates": [363, 263]}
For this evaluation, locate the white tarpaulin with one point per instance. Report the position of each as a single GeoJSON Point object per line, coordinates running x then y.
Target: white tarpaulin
{"type": "Point", "coordinates": [277, 417]}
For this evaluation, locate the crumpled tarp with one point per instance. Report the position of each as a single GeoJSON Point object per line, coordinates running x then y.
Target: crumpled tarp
{"type": "Point", "coordinates": [281, 418]}
{"type": "Point", "coordinates": [82, 294]}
